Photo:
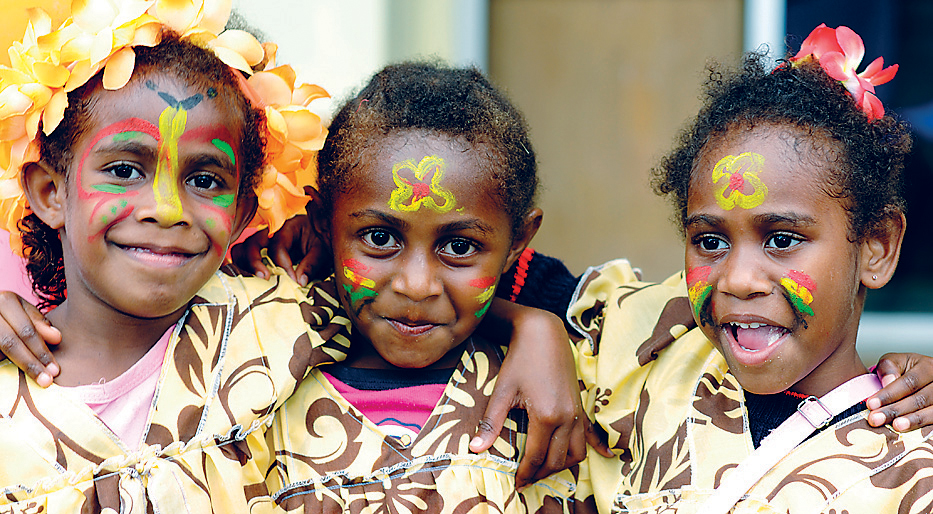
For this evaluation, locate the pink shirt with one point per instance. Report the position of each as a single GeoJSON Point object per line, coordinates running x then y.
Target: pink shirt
{"type": "Point", "coordinates": [398, 412]}
{"type": "Point", "coordinates": [123, 404]}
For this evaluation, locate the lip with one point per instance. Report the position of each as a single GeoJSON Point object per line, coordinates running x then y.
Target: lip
{"type": "Point", "coordinates": [751, 357]}
{"type": "Point", "coordinates": [157, 255]}
{"type": "Point", "coordinates": [411, 328]}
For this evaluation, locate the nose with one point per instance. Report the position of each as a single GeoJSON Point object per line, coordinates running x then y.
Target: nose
{"type": "Point", "coordinates": [744, 275]}
{"type": "Point", "coordinates": [163, 204]}
{"type": "Point", "coordinates": [416, 278]}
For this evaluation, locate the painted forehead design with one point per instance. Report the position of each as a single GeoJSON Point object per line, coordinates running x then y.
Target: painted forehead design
{"type": "Point", "coordinates": [733, 175]}
{"type": "Point", "coordinates": [419, 185]}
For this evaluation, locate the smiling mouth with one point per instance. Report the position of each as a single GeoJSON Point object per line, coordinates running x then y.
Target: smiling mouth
{"type": "Point", "coordinates": [156, 256]}
{"type": "Point", "coordinates": [755, 337]}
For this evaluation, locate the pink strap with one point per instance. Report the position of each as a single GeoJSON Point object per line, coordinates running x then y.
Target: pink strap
{"type": "Point", "coordinates": [812, 414]}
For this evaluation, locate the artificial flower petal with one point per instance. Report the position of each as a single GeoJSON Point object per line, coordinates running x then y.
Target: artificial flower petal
{"type": "Point", "coordinates": [80, 74]}
{"type": "Point", "coordinates": [102, 45]}
{"type": "Point", "coordinates": [872, 106]}
{"type": "Point", "coordinates": [243, 43]}
{"type": "Point", "coordinates": [178, 15]}
{"type": "Point", "coordinates": [214, 14]}
{"type": "Point", "coordinates": [50, 75]}
{"type": "Point", "coordinates": [884, 76]}
{"type": "Point", "coordinates": [851, 45]}
{"type": "Point", "coordinates": [54, 112]}
{"type": "Point", "coordinates": [271, 88]}
{"type": "Point", "coordinates": [40, 23]}
{"type": "Point", "coordinates": [307, 93]}
{"type": "Point", "coordinates": [93, 15]}
{"type": "Point", "coordinates": [833, 63]}
{"type": "Point", "coordinates": [232, 59]}
{"type": "Point", "coordinates": [119, 68]}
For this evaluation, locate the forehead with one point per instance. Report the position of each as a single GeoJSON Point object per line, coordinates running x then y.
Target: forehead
{"type": "Point", "coordinates": [790, 158]}
{"type": "Point", "coordinates": [147, 95]}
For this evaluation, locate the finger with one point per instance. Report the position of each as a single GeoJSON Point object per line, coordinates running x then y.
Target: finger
{"type": "Point", "coordinates": [557, 450]}
{"type": "Point", "coordinates": [900, 388]}
{"type": "Point", "coordinates": [597, 439]}
{"type": "Point", "coordinates": [907, 414]}
{"type": "Point", "coordinates": [536, 453]}
{"type": "Point", "coordinates": [279, 255]}
{"type": "Point", "coordinates": [500, 403]}
{"type": "Point", "coordinates": [22, 328]}
{"type": "Point", "coordinates": [247, 256]}
{"type": "Point", "coordinates": [306, 269]}
{"type": "Point", "coordinates": [576, 452]}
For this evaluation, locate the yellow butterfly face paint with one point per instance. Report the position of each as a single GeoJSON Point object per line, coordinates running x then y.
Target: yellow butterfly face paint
{"type": "Point", "coordinates": [736, 174]}
{"type": "Point", "coordinates": [420, 185]}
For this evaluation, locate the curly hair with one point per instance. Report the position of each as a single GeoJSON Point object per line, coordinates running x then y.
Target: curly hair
{"type": "Point", "coordinates": [197, 67]}
{"type": "Point", "coordinates": [457, 102]}
{"type": "Point", "coordinates": [868, 173]}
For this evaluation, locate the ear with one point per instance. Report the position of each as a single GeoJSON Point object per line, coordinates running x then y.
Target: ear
{"type": "Point", "coordinates": [320, 220]}
{"type": "Point", "coordinates": [520, 241]}
{"type": "Point", "coordinates": [245, 210]}
{"type": "Point", "coordinates": [46, 192]}
{"type": "Point", "coordinates": [880, 251]}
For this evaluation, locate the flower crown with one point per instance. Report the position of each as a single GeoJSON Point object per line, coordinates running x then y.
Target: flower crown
{"type": "Point", "coordinates": [839, 52]}
{"type": "Point", "coordinates": [100, 35]}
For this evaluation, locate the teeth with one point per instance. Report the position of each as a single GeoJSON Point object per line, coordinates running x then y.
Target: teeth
{"type": "Point", "coordinates": [749, 325]}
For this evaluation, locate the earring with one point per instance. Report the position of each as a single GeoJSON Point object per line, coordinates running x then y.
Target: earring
{"type": "Point", "coordinates": [874, 277]}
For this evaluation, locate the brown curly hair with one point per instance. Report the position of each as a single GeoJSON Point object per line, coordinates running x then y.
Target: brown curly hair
{"type": "Point", "coordinates": [196, 67]}
{"type": "Point", "coordinates": [457, 102]}
{"type": "Point", "coordinates": [869, 174]}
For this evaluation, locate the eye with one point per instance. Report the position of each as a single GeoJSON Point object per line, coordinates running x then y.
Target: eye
{"type": "Point", "coordinates": [459, 248]}
{"type": "Point", "coordinates": [124, 171]}
{"type": "Point", "coordinates": [782, 241]}
{"type": "Point", "coordinates": [380, 238]}
{"type": "Point", "coordinates": [711, 243]}
{"type": "Point", "coordinates": [206, 181]}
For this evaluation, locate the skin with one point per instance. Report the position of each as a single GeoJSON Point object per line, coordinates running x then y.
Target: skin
{"type": "Point", "coordinates": [139, 218]}
{"type": "Point", "coordinates": [798, 229]}
{"type": "Point", "coordinates": [422, 266]}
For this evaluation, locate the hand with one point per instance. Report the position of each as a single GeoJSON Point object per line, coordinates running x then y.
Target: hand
{"type": "Point", "coordinates": [24, 334]}
{"type": "Point", "coordinates": [905, 401]}
{"type": "Point", "coordinates": [296, 240]}
{"type": "Point", "coordinates": [538, 375]}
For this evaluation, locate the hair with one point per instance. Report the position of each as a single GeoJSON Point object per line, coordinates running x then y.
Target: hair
{"type": "Point", "coordinates": [196, 67]}
{"type": "Point", "coordinates": [867, 170]}
{"type": "Point", "coordinates": [457, 102]}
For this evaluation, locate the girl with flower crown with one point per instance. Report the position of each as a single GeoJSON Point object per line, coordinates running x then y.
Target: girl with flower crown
{"type": "Point", "coordinates": [736, 386]}
{"type": "Point", "coordinates": [132, 157]}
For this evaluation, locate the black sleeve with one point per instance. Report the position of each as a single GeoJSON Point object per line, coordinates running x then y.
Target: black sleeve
{"type": "Point", "coordinates": [539, 281]}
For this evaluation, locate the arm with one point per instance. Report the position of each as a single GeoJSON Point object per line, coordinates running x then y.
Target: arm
{"type": "Point", "coordinates": [24, 335]}
{"type": "Point", "coordinates": [539, 376]}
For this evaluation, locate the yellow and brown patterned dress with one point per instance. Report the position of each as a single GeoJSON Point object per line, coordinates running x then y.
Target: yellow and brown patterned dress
{"type": "Point", "coordinates": [242, 347]}
{"type": "Point", "coordinates": [330, 458]}
{"type": "Point", "coordinates": [677, 420]}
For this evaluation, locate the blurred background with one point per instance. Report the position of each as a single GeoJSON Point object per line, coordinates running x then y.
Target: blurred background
{"type": "Point", "coordinates": [606, 85]}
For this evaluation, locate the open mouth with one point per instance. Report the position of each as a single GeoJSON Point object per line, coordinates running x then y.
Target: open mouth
{"type": "Point", "coordinates": [156, 257]}
{"type": "Point", "coordinates": [755, 337]}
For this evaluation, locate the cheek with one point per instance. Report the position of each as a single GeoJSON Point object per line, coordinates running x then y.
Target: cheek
{"type": "Point", "coordinates": [486, 288]}
{"type": "Point", "coordinates": [108, 209]}
{"type": "Point", "coordinates": [358, 288]}
{"type": "Point", "coordinates": [800, 290]}
{"type": "Point", "coordinates": [218, 224]}
{"type": "Point", "coordinates": [698, 288]}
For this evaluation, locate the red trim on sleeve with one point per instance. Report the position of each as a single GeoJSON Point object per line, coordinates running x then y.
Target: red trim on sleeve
{"type": "Point", "coordinates": [521, 273]}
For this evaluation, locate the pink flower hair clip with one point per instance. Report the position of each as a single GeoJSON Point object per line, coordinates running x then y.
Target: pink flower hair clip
{"type": "Point", "coordinates": [839, 52]}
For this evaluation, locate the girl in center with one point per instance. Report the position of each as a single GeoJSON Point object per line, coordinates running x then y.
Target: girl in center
{"type": "Point", "coordinates": [428, 182]}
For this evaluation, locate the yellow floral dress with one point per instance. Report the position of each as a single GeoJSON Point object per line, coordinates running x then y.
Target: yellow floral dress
{"type": "Point", "coordinates": [242, 346]}
{"type": "Point", "coordinates": [677, 421]}
{"type": "Point", "coordinates": [330, 458]}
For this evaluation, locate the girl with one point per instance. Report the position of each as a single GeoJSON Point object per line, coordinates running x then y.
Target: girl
{"type": "Point", "coordinates": [789, 196]}
{"type": "Point", "coordinates": [427, 184]}
{"type": "Point", "coordinates": [136, 192]}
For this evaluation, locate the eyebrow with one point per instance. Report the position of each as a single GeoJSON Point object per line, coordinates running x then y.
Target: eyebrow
{"type": "Point", "coordinates": [381, 216]}
{"type": "Point", "coordinates": [455, 226]}
{"type": "Point", "coordinates": [128, 146]}
{"type": "Point", "coordinates": [771, 218]}
{"type": "Point", "coordinates": [207, 159]}
{"type": "Point", "coordinates": [473, 224]}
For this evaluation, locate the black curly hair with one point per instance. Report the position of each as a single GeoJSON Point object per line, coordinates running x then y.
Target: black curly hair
{"type": "Point", "coordinates": [431, 97]}
{"type": "Point", "coordinates": [197, 67]}
{"type": "Point", "coordinates": [867, 174]}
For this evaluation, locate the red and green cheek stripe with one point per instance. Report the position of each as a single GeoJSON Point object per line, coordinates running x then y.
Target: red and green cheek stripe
{"type": "Point", "coordinates": [362, 287]}
{"type": "Point", "coordinates": [488, 285]}
{"type": "Point", "coordinates": [698, 288]}
{"type": "Point", "coordinates": [800, 288]}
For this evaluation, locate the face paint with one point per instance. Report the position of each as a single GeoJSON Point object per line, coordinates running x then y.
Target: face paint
{"type": "Point", "coordinates": [225, 148]}
{"type": "Point", "coordinates": [698, 288]}
{"type": "Point", "coordinates": [362, 288]}
{"type": "Point", "coordinates": [410, 195]}
{"type": "Point", "coordinates": [111, 205]}
{"type": "Point", "coordinates": [224, 200]}
{"type": "Point", "coordinates": [488, 285]}
{"type": "Point", "coordinates": [734, 172]}
{"type": "Point", "coordinates": [800, 289]}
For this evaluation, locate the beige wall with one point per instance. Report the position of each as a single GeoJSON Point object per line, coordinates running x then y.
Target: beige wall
{"type": "Point", "coordinates": [606, 85]}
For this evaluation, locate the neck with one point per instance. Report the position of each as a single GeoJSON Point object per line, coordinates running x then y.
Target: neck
{"type": "Point", "coordinates": [844, 365]}
{"type": "Point", "coordinates": [105, 347]}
